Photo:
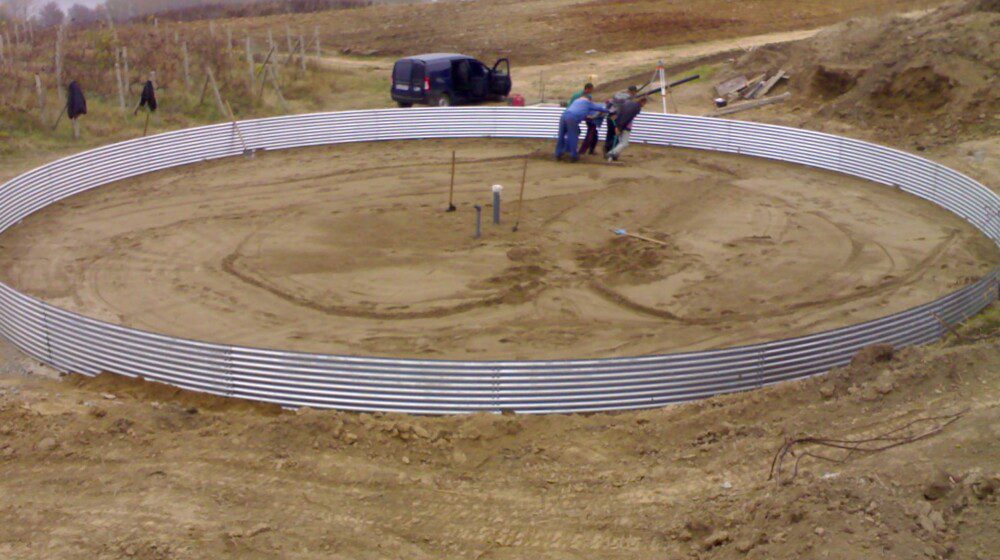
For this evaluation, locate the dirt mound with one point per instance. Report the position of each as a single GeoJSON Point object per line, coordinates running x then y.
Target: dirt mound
{"type": "Point", "coordinates": [627, 259]}
{"type": "Point", "coordinates": [926, 79]}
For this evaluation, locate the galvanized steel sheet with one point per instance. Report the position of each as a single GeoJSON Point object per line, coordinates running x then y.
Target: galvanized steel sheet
{"type": "Point", "coordinates": [74, 343]}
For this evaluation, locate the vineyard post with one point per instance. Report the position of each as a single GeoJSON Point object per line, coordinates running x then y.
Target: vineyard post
{"type": "Point", "coordinates": [271, 44]}
{"type": "Point", "coordinates": [251, 81]}
{"type": "Point", "coordinates": [59, 57]}
{"type": "Point", "coordinates": [111, 26]}
{"type": "Point", "coordinates": [177, 37]}
{"type": "Point", "coordinates": [17, 37]}
{"type": "Point", "coordinates": [3, 58]}
{"type": "Point", "coordinates": [211, 28]}
{"type": "Point", "coordinates": [204, 90]}
{"type": "Point", "coordinates": [302, 49]}
{"type": "Point", "coordinates": [128, 82]}
{"type": "Point", "coordinates": [263, 73]}
{"type": "Point", "coordinates": [10, 49]}
{"type": "Point", "coordinates": [121, 88]}
{"type": "Point", "coordinates": [215, 90]}
{"type": "Point", "coordinates": [277, 88]}
{"type": "Point", "coordinates": [319, 52]}
{"type": "Point", "coordinates": [288, 37]}
{"type": "Point", "coordinates": [187, 67]}
{"type": "Point", "coordinates": [41, 98]}
{"type": "Point", "coordinates": [229, 41]}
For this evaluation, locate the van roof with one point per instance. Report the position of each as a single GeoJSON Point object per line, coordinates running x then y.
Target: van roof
{"type": "Point", "coordinates": [433, 57]}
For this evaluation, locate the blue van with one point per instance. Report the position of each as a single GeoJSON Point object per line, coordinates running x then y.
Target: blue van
{"type": "Point", "coordinates": [443, 79]}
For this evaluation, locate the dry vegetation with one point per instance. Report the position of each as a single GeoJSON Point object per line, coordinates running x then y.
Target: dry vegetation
{"type": "Point", "coordinates": [186, 98]}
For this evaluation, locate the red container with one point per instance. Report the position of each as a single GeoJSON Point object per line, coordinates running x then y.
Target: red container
{"type": "Point", "coordinates": [517, 100]}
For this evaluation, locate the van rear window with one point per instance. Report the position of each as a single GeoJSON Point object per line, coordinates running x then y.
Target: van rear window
{"type": "Point", "coordinates": [401, 72]}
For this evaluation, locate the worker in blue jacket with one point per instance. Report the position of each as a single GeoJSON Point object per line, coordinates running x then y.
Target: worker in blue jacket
{"type": "Point", "coordinates": [569, 125]}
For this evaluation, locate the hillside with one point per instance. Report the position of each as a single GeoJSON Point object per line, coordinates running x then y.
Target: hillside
{"type": "Point", "coordinates": [548, 31]}
{"type": "Point", "coordinates": [924, 81]}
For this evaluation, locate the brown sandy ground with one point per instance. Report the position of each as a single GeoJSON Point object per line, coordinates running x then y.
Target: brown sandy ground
{"type": "Point", "coordinates": [108, 468]}
{"type": "Point", "coordinates": [547, 31]}
{"type": "Point", "coordinates": [347, 250]}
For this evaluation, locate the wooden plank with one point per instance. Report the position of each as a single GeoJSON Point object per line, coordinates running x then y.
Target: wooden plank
{"type": "Point", "coordinates": [770, 83]}
{"type": "Point", "coordinates": [750, 105]}
{"type": "Point", "coordinates": [752, 85]}
{"type": "Point", "coordinates": [731, 85]}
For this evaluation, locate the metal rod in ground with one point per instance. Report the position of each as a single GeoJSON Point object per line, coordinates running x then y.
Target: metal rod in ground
{"type": "Point", "coordinates": [451, 189]}
{"type": "Point", "coordinates": [479, 221]}
{"type": "Point", "coordinates": [520, 196]}
{"type": "Point", "coordinates": [496, 203]}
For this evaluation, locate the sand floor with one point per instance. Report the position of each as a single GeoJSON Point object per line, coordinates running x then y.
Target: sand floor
{"type": "Point", "coordinates": [347, 249]}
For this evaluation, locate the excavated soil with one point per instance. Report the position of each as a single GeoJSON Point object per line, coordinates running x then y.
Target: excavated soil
{"type": "Point", "coordinates": [111, 468]}
{"type": "Point", "coordinates": [347, 249]}
{"type": "Point", "coordinates": [916, 81]}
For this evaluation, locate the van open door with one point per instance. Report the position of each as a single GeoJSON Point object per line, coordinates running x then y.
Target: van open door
{"type": "Point", "coordinates": [500, 83]}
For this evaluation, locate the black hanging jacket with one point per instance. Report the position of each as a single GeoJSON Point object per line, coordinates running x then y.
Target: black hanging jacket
{"type": "Point", "coordinates": [76, 103]}
{"type": "Point", "coordinates": [148, 97]}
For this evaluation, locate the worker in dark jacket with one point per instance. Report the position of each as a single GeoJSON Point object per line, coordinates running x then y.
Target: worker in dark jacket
{"type": "Point", "coordinates": [76, 105]}
{"type": "Point", "coordinates": [569, 126]}
{"type": "Point", "coordinates": [623, 122]}
{"type": "Point", "coordinates": [615, 103]}
{"type": "Point", "coordinates": [147, 98]}
{"type": "Point", "coordinates": [593, 122]}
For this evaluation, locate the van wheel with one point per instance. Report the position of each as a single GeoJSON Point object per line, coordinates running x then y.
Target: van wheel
{"type": "Point", "coordinates": [404, 104]}
{"type": "Point", "coordinates": [441, 100]}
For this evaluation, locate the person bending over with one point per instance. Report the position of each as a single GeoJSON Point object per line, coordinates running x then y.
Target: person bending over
{"type": "Point", "coordinates": [569, 126]}
{"type": "Point", "coordinates": [593, 122]}
{"type": "Point", "coordinates": [614, 104]}
{"type": "Point", "coordinates": [623, 122]}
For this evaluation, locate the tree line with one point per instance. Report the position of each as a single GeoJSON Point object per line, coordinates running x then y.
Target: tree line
{"type": "Point", "coordinates": [49, 14]}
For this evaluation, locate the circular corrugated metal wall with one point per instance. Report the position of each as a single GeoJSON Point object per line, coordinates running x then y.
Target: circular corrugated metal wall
{"type": "Point", "coordinates": [74, 343]}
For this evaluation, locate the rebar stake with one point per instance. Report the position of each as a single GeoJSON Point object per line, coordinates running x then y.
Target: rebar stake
{"type": "Point", "coordinates": [479, 221]}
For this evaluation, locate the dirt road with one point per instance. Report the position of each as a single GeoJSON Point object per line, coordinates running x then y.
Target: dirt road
{"type": "Point", "coordinates": [347, 250]}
